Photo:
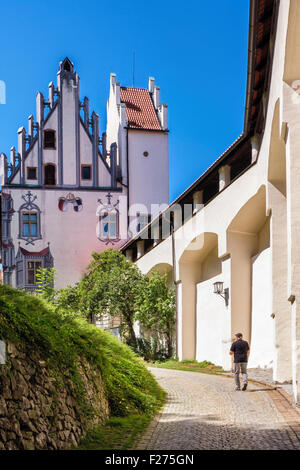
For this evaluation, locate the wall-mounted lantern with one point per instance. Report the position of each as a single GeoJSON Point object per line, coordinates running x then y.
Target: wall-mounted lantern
{"type": "Point", "coordinates": [219, 289]}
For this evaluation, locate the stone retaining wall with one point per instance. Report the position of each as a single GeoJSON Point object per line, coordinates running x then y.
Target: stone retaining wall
{"type": "Point", "coordinates": [39, 410]}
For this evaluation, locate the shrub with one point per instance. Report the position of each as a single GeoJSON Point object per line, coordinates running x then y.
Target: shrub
{"type": "Point", "coordinates": [62, 338]}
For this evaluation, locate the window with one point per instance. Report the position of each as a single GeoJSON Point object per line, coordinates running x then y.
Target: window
{"type": "Point", "coordinates": [108, 225]}
{"type": "Point", "coordinates": [32, 268]}
{"type": "Point", "coordinates": [29, 224]}
{"type": "Point", "coordinates": [86, 172]}
{"type": "Point", "coordinates": [49, 139]}
{"type": "Point", "coordinates": [27, 265]}
{"type": "Point", "coordinates": [50, 179]}
{"type": "Point", "coordinates": [31, 173]}
{"type": "Point", "coordinates": [29, 220]}
{"type": "Point", "coordinates": [19, 270]}
{"type": "Point", "coordinates": [142, 221]}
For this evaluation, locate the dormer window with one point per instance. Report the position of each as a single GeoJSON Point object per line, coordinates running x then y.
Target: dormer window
{"type": "Point", "coordinates": [49, 139]}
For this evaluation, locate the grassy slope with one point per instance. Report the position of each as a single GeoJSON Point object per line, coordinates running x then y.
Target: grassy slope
{"type": "Point", "coordinates": [61, 338]}
{"type": "Point", "coordinates": [205, 367]}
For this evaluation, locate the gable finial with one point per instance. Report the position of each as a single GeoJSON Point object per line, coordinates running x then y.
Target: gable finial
{"type": "Point", "coordinates": [66, 65]}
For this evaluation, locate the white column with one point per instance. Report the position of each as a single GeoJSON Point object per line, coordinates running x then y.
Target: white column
{"type": "Point", "coordinates": [140, 248]}
{"type": "Point", "coordinates": [254, 147]}
{"type": "Point", "coordinates": [224, 176]}
{"type": "Point", "coordinates": [129, 254]}
{"type": "Point", "coordinates": [197, 201]}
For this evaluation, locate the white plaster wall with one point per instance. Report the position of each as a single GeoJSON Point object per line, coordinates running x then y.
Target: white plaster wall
{"type": "Point", "coordinates": [86, 154]}
{"type": "Point", "coordinates": [262, 333]}
{"type": "Point", "coordinates": [31, 161]}
{"type": "Point", "coordinates": [179, 321]}
{"type": "Point", "coordinates": [51, 155]}
{"type": "Point", "coordinates": [210, 312]}
{"type": "Point", "coordinates": [148, 176]}
{"type": "Point", "coordinates": [69, 142]}
{"type": "Point", "coordinates": [72, 235]}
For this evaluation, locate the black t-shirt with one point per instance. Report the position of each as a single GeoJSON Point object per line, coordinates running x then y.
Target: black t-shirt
{"type": "Point", "coordinates": [240, 348]}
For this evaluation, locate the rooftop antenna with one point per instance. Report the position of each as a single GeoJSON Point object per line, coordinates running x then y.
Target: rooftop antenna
{"type": "Point", "coordinates": [133, 67]}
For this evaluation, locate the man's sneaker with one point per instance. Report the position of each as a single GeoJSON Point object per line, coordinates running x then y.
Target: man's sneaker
{"type": "Point", "coordinates": [244, 387]}
{"type": "Point", "coordinates": [237, 388]}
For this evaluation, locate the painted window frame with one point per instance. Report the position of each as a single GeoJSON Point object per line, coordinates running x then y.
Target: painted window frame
{"type": "Point", "coordinates": [108, 238]}
{"type": "Point", "coordinates": [44, 139]}
{"type": "Point", "coordinates": [46, 165]}
{"type": "Point", "coordinates": [30, 239]}
{"type": "Point", "coordinates": [46, 261]}
{"type": "Point", "coordinates": [83, 166]}
{"type": "Point", "coordinates": [29, 222]}
{"type": "Point", "coordinates": [28, 170]}
{"type": "Point", "coordinates": [35, 261]}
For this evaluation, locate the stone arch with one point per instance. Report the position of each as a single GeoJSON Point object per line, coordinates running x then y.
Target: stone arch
{"type": "Point", "coordinates": [277, 156]}
{"type": "Point", "coordinates": [163, 268]}
{"type": "Point", "coordinates": [199, 263]}
{"type": "Point", "coordinates": [248, 242]}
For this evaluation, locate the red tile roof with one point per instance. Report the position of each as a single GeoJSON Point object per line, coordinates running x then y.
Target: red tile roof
{"type": "Point", "coordinates": [34, 253]}
{"type": "Point", "coordinates": [140, 109]}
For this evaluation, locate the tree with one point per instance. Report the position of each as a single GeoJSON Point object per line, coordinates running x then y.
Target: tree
{"type": "Point", "coordinates": [155, 307]}
{"type": "Point", "coordinates": [109, 286]}
{"type": "Point", "coordinates": [45, 283]}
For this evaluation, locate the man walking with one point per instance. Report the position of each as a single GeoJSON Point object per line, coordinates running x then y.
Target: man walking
{"type": "Point", "coordinates": [241, 351]}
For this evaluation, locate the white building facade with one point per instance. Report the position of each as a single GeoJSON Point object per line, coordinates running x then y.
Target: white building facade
{"type": "Point", "coordinates": [239, 223]}
{"type": "Point", "coordinates": [67, 192]}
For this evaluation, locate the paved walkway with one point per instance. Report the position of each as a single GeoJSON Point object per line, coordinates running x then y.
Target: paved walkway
{"type": "Point", "coordinates": [205, 412]}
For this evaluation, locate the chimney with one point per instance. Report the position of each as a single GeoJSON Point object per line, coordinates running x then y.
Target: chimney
{"type": "Point", "coordinates": [117, 92]}
{"type": "Point", "coordinates": [86, 112]}
{"type": "Point", "coordinates": [123, 117]}
{"type": "Point", "coordinates": [156, 96]}
{"type": "Point", "coordinates": [30, 127]}
{"type": "Point", "coordinates": [113, 79]}
{"type": "Point", "coordinates": [21, 151]}
{"type": "Point", "coordinates": [151, 83]}
{"type": "Point", "coordinates": [163, 114]}
{"type": "Point", "coordinates": [51, 94]}
{"type": "Point", "coordinates": [39, 108]}
{"type": "Point", "coordinates": [3, 169]}
{"type": "Point", "coordinates": [21, 141]}
{"type": "Point", "coordinates": [13, 156]}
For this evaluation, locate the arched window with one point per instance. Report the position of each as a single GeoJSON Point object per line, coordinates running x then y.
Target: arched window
{"type": "Point", "coordinates": [49, 139]}
{"type": "Point", "coordinates": [49, 172]}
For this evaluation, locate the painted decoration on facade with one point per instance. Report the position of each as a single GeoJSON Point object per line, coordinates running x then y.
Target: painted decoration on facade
{"type": "Point", "coordinates": [63, 203]}
{"type": "Point", "coordinates": [29, 219]}
{"type": "Point", "coordinates": [27, 265]}
{"type": "Point", "coordinates": [8, 251]}
{"type": "Point", "coordinates": [108, 221]}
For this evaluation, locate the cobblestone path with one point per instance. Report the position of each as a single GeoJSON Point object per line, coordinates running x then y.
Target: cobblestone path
{"type": "Point", "coordinates": [205, 412]}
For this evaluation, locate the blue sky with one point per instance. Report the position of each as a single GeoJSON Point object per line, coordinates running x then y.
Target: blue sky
{"type": "Point", "coordinates": [196, 50]}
